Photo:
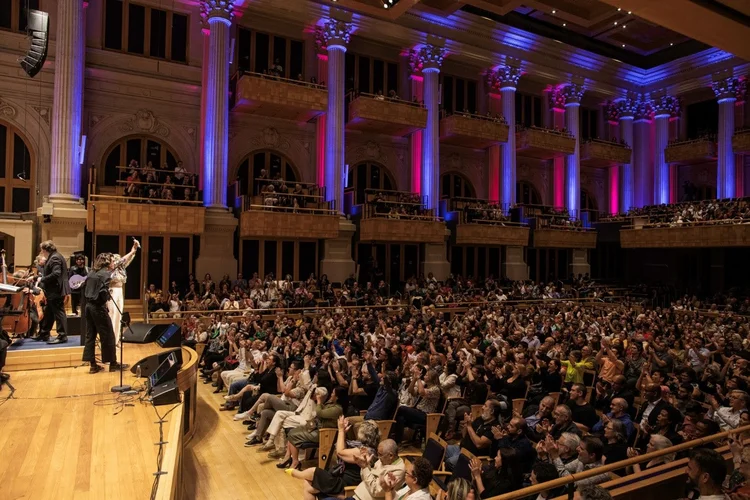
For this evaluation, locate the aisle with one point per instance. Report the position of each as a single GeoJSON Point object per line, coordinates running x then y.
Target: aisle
{"type": "Point", "coordinates": [217, 464]}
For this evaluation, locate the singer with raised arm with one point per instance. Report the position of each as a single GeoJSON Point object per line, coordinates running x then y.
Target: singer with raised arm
{"type": "Point", "coordinates": [119, 278]}
{"type": "Point", "coordinates": [54, 282]}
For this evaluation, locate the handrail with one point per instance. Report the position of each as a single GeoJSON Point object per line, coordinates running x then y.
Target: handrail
{"type": "Point", "coordinates": [498, 118]}
{"type": "Point", "coordinates": [375, 190]}
{"type": "Point", "coordinates": [267, 179]}
{"type": "Point", "coordinates": [524, 128]}
{"type": "Point", "coordinates": [497, 222]}
{"type": "Point", "coordinates": [558, 227]}
{"type": "Point", "coordinates": [274, 208]}
{"type": "Point", "coordinates": [354, 95]}
{"type": "Point", "coordinates": [293, 195]}
{"type": "Point", "coordinates": [266, 76]}
{"type": "Point", "coordinates": [705, 138]}
{"type": "Point", "coordinates": [156, 201]}
{"type": "Point", "coordinates": [604, 469]}
{"type": "Point", "coordinates": [430, 218]}
{"type": "Point", "coordinates": [677, 225]}
{"type": "Point", "coordinates": [605, 141]}
{"type": "Point", "coordinates": [143, 183]}
{"type": "Point", "coordinates": [155, 169]}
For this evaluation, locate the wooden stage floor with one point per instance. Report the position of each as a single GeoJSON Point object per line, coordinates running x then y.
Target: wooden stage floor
{"type": "Point", "coordinates": [64, 438]}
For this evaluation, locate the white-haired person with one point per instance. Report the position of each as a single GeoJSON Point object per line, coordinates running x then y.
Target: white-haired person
{"type": "Point", "coordinates": [119, 278]}
{"type": "Point", "coordinates": [655, 443]}
{"type": "Point", "coordinates": [285, 420]}
{"type": "Point", "coordinates": [243, 368]}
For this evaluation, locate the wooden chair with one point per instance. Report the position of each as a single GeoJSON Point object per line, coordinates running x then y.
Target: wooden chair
{"type": "Point", "coordinates": [476, 411]}
{"type": "Point", "coordinates": [518, 405]}
{"type": "Point", "coordinates": [434, 452]}
{"type": "Point", "coordinates": [324, 447]}
{"type": "Point", "coordinates": [462, 470]}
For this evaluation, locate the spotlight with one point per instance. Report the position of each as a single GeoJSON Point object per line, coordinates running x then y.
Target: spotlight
{"type": "Point", "coordinates": [554, 11]}
{"type": "Point", "coordinates": [565, 24]}
{"type": "Point", "coordinates": [615, 23]}
{"type": "Point", "coordinates": [618, 9]}
{"type": "Point", "coordinates": [630, 12]}
{"type": "Point", "coordinates": [623, 45]}
{"type": "Point", "coordinates": [671, 45]}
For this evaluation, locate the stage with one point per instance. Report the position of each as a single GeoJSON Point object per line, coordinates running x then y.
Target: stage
{"type": "Point", "coordinates": [65, 435]}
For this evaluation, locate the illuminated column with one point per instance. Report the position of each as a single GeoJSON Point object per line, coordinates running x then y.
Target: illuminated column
{"type": "Point", "coordinates": [505, 80]}
{"type": "Point", "coordinates": [335, 36]}
{"type": "Point", "coordinates": [608, 130]}
{"type": "Point", "coordinates": [726, 93]}
{"type": "Point", "coordinates": [416, 139]}
{"type": "Point", "coordinates": [320, 122]}
{"type": "Point", "coordinates": [557, 105]}
{"type": "Point", "coordinates": [70, 44]}
{"type": "Point", "coordinates": [642, 153]}
{"type": "Point", "coordinates": [664, 108]}
{"type": "Point", "coordinates": [739, 121]}
{"type": "Point", "coordinates": [428, 59]}
{"type": "Point", "coordinates": [573, 93]}
{"type": "Point", "coordinates": [626, 111]}
{"type": "Point", "coordinates": [218, 16]}
{"type": "Point", "coordinates": [494, 156]}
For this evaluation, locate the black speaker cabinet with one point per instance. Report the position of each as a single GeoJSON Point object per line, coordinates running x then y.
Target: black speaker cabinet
{"type": "Point", "coordinates": [165, 394]}
{"type": "Point", "coordinates": [150, 363]}
{"type": "Point", "coordinates": [142, 333]}
{"type": "Point", "coordinates": [38, 30]}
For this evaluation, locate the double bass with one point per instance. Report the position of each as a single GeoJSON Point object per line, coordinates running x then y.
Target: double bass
{"type": "Point", "coordinates": [15, 310]}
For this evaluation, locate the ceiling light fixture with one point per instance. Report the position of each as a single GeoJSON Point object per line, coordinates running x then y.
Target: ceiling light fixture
{"type": "Point", "coordinates": [623, 45]}
{"type": "Point", "coordinates": [630, 12]}
{"type": "Point", "coordinates": [615, 23]}
{"type": "Point", "coordinates": [618, 9]}
{"type": "Point", "coordinates": [623, 26]}
{"type": "Point", "coordinates": [671, 45]}
{"type": "Point", "coordinates": [554, 11]}
{"type": "Point", "coordinates": [565, 24]}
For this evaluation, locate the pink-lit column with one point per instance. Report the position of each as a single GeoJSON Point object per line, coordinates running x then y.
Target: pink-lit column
{"type": "Point", "coordinates": [573, 93]}
{"type": "Point", "coordinates": [70, 45]}
{"type": "Point", "coordinates": [429, 58]}
{"type": "Point", "coordinates": [417, 137]}
{"type": "Point", "coordinates": [664, 108]}
{"type": "Point", "coordinates": [643, 180]}
{"type": "Point", "coordinates": [726, 93]}
{"type": "Point", "coordinates": [335, 35]}
{"type": "Point", "coordinates": [611, 114]}
{"type": "Point", "coordinates": [557, 106]}
{"type": "Point", "coordinates": [320, 124]}
{"type": "Point", "coordinates": [626, 109]}
{"type": "Point", "coordinates": [739, 121]}
{"type": "Point", "coordinates": [495, 108]}
{"type": "Point", "coordinates": [218, 15]}
{"type": "Point", "coordinates": [205, 33]}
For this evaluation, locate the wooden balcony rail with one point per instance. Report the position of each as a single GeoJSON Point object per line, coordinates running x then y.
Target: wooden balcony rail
{"type": "Point", "coordinates": [266, 76]}
{"type": "Point", "coordinates": [741, 141]}
{"type": "Point", "coordinates": [544, 144]}
{"type": "Point", "coordinates": [261, 221]}
{"type": "Point", "coordinates": [691, 152]}
{"type": "Point", "coordinates": [279, 97]}
{"type": "Point", "coordinates": [471, 130]}
{"type": "Point", "coordinates": [291, 210]}
{"type": "Point", "coordinates": [118, 214]}
{"type": "Point", "coordinates": [492, 232]}
{"type": "Point", "coordinates": [704, 234]}
{"type": "Point", "coordinates": [600, 153]}
{"type": "Point", "coordinates": [384, 115]}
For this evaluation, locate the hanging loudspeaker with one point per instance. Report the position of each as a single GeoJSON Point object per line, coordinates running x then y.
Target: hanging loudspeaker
{"type": "Point", "coordinates": [38, 30]}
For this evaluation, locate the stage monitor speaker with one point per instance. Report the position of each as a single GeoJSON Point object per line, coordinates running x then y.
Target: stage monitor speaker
{"type": "Point", "coordinates": [142, 333]}
{"type": "Point", "coordinates": [38, 30]}
{"type": "Point", "coordinates": [171, 336]}
{"type": "Point", "coordinates": [165, 394]}
{"type": "Point", "coordinates": [149, 364]}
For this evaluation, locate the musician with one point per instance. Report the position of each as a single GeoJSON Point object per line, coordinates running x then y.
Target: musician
{"type": "Point", "coordinates": [96, 293]}
{"type": "Point", "coordinates": [33, 289]}
{"type": "Point", "coordinates": [54, 282]}
{"type": "Point", "coordinates": [5, 341]}
{"type": "Point", "coordinates": [79, 269]}
{"type": "Point", "coordinates": [119, 278]}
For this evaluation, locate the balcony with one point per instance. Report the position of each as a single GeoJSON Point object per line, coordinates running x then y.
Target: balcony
{"type": "Point", "coordinates": [691, 152]}
{"type": "Point", "coordinates": [695, 235]}
{"type": "Point", "coordinates": [384, 115]}
{"type": "Point", "coordinates": [398, 217]}
{"type": "Point", "coordinates": [544, 144]}
{"type": "Point", "coordinates": [265, 95]}
{"type": "Point", "coordinates": [552, 237]}
{"type": "Point", "coordinates": [490, 234]}
{"type": "Point", "coordinates": [472, 131]}
{"type": "Point", "coordinates": [286, 215]}
{"type": "Point", "coordinates": [600, 153]}
{"type": "Point", "coordinates": [741, 141]}
{"type": "Point", "coordinates": [122, 214]}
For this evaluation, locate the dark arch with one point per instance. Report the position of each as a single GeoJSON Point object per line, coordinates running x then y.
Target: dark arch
{"type": "Point", "coordinates": [141, 148]}
{"type": "Point", "coordinates": [19, 177]}
{"type": "Point", "coordinates": [369, 175]}
{"type": "Point", "coordinates": [269, 160]}
{"type": "Point", "coordinates": [588, 202]}
{"type": "Point", "coordinates": [527, 194]}
{"type": "Point", "coordinates": [456, 185]}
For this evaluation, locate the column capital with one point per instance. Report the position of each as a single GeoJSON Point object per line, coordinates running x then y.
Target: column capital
{"type": "Point", "coordinates": [627, 107]}
{"type": "Point", "coordinates": [333, 33]}
{"type": "Point", "coordinates": [217, 9]}
{"type": "Point", "coordinates": [504, 77]}
{"type": "Point", "coordinates": [612, 112]}
{"type": "Point", "coordinates": [725, 89]}
{"type": "Point", "coordinates": [644, 111]}
{"type": "Point", "coordinates": [426, 57]}
{"type": "Point", "coordinates": [572, 93]}
{"type": "Point", "coordinates": [666, 106]}
{"type": "Point", "coordinates": [556, 98]}
{"type": "Point", "coordinates": [741, 90]}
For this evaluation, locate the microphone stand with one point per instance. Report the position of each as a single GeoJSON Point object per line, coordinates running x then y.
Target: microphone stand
{"type": "Point", "coordinates": [124, 322]}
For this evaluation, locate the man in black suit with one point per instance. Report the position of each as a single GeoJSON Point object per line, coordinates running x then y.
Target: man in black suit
{"type": "Point", "coordinates": [55, 285]}
{"type": "Point", "coordinates": [651, 408]}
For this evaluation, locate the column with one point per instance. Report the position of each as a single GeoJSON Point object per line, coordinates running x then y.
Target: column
{"type": "Point", "coordinates": [505, 81]}
{"type": "Point", "coordinates": [494, 154]}
{"type": "Point", "coordinates": [739, 122]}
{"type": "Point", "coordinates": [611, 113]}
{"type": "Point", "coordinates": [335, 36]}
{"type": "Point", "coordinates": [320, 124]}
{"type": "Point", "coordinates": [626, 112]}
{"type": "Point", "coordinates": [66, 227]}
{"type": "Point", "coordinates": [664, 107]}
{"type": "Point", "coordinates": [557, 105]}
{"type": "Point", "coordinates": [674, 170]}
{"type": "Point", "coordinates": [216, 254]}
{"type": "Point", "coordinates": [416, 139]}
{"type": "Point", "coordinates": [573, 93]}
{"type": "Point", "coordinates": [726, 93]}
{"type": "Point", "coordinates": [643, 193]}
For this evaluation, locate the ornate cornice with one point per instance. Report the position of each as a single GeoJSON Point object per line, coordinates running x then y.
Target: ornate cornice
{"type": "Point", "coordinates": [217, 9]}
{"type": "Point", "coordinates": [666, 106]}
{"type": "Point", "coordinates": [426, 57]}
{"type": "Point", "coordinates": [643, 108]}
{"type": "Point", "coordinates": [726, 88]}
{"type": "Point", "coordinates": [573, 93]}
{"type": "Point", "coordinates": [503, 77]}
{"type": "Point", "coordinates": [333, 33]}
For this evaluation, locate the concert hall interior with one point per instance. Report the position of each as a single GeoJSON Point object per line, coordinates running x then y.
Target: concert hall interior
{"type": "Point", "coordinates": [375, 249]}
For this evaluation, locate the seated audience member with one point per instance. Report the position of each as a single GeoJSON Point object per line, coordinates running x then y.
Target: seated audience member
{"type": "Point", "coordinates": [477, 435]}
{"type": "Point", "coordinates": [417, 479]}
{"type": "Point", "coordinates": [539, 415]}
{"type": "Point", "coordinates": [512, 438]}
{"type": "Point", "coordinates": [619, 412]}
{"type": "Point", "coordinates": [590, 456]}
{"type": "Point", "coordinates": [372, 486]}
{"type": "Point", "coordinates": [706, 471]}
{"type": "Point", "coordinates": [502, 475]}
{"type": "Point", "coordinates": [728, 417]}
{"type": "Point", "coordinates": [650, 409]}
{"type": "Point", "coordinates": [615, 442]}
{"type": "Point", "coordinates": [567, 446]}
{"type": "Point", "coordinates": [563, 422]}
{"type": "Point", "coordinates": [428, 393]}
{"type": "Point", "coordinates": [583, 413]}
{"type": "Point", "coordinates": [655, 443]}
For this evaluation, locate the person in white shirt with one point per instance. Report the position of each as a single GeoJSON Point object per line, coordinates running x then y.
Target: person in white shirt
{"type": "Point", "coordinates": [417, 477]}
{"type": "Point", "coordinates": [728, 417]}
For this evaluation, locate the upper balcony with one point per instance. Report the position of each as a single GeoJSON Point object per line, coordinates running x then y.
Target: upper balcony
{"type": "Point", "coordinates": [276, 214]}
{"type": "Point", "coordinates": [278, 97]}
{"type": "Point", "coordinates": [691, 152]}
{"type": "Point", "coordinates": [601, 153]}
{"type": "Point", "coordinates": [479, 222]}
{"type": "Point", "coordinates": [544, 143]}
{"type": "Point", "coordinates": [741, 141]}
{"type": "Point", "coordinates": [384, 115]}
{"type": "Point", "coordinates": [398, 217]}
{"type": "Point", "coordinates": [473, 131]}
{"type": "Point", "coordinates": [705, 234]}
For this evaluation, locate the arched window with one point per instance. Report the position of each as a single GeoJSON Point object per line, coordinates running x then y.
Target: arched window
{"type": "Point", "coordinates": [369, 176]}
{"type": "Point", "coordinates": [17, 181]}
{"type": "Point", "coordinates": [272, 162]}
{"type": "Point", "coordinates": [588, 202]}
{"type": "Point", "coordinates": [143, 149]}
{"type": "Point", "coordinates": [527, 194]}
{"type": "Point", "coordinates": [455, 185]}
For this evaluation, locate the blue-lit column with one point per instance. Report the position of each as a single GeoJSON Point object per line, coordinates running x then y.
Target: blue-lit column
{"type": "Point", "coordinates": [218, 16]}
{"type": "Point", "coordinates": [726, 93]}
{"type": "Point", "coordinates": [573, 93]}
{"type": "Point", "coordinates": [506, 78]}
{"type": "Point", "coordinates": [335, 36]}
{"type": "Point", "coordinates": [664, 108]}
{"type": "Point", "coordinates": [65, 171]}
{"type": "Point", "coordinates": [626, 110]}
{"type": "Point", "coordinates": [642, 157]}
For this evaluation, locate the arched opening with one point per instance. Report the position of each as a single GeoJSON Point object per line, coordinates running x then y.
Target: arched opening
{"type": "Point", "coordinates": [18, 179]}
{"type": "Point", "coordinates": [527, 194]}
{"type": "Point", "coordinates": [275, 165]}
{"type": "Point", "coordinates": [141, 148]}
{"type": "Point", "coordinates": [369, 176]}
{"type": "Point", "coordinates": [455, 185]}
{"type": "Point", "coordinates": [588, 202]}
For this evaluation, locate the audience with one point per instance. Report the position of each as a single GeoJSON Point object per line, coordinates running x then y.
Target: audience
{"type": "Point", "coordinates": [167, 183]}
{"type": "Point", "coordinates": [729, 211]}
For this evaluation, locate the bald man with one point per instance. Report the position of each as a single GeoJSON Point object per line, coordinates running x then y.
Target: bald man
{"type": "Point", "coordinates": [652, 406]}
{"type": "Point", "coordinates": [618, 411]}
{"type": "Point", "coordinates": [372, 487]}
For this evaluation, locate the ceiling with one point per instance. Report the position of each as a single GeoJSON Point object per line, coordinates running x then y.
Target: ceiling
{"type": "Point", "coordinates": [644, 33]}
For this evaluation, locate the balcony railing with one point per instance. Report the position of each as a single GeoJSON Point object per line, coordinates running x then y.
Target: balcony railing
{"type": "Point", "coordinates": [543, 143]}
{"type": "Point", "coordinates": [393, 216]}
{"type": "Point", "coordinates": [268, 221]}
{"type": "Point", "coordinates": [601, 153]}
{"type": "Point", "coordinates": [135, 215]}
{"type": "Point", "coordinates": [691, 152]}
{"type": "Point", "coordinates": [741, 141]}
{"type": "Point", "coordinates": [278, 97]}
{"type": "Point", "coordinates": [471, 130]}
{"type": "Point", "coordinates": [701, 234]}
{"type": "Point", "coordinates": [384, 115]}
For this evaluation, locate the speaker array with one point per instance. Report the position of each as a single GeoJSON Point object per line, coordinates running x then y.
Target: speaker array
{"type": "Point", "coordinates": [38, 29]}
